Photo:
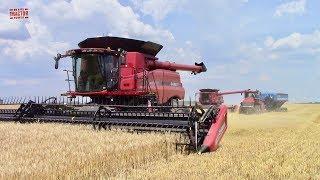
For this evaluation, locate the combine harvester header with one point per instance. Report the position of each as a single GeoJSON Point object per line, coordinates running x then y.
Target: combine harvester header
{"type": "Point", "coordinates": [128, 88]}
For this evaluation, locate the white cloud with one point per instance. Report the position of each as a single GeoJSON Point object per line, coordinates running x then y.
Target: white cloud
{"type": "Point", "coordinates": [264, 77]}
{"type": "Point", "coordinates": [243, 67]}
{"type": "Point", "coordinates": [15, 82]}
{"type": "Point", "coordinates": [292, 41]}
{"type": "Point", "coordinates": [6, 4]}
{"type": "Point", "coordinates": [40, 42]}
{"type": "Point", "coordinates": [293, 46]}
{"type": "Point", "coordinates": [299, 42]}
{"type": "Point", "coordinates": [293, 7]}
{"type": "Point", "coordinates": [184, 53]}
{"type": "Point", "coordinates": [9, 25]}
{"type": "Point", "coordinates": [272, 63]}
{"type": "Point", "coordinates": [158, 9]}
{"type": "Point", "coordinates": [121, 20]}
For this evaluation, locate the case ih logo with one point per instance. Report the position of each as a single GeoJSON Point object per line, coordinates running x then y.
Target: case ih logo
{"type": "Point", "coordinates": [19, 13]}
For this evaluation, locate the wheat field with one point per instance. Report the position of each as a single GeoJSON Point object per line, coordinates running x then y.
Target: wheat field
{"type": "Point", "coordinates": [53, 151]}
{"type": "Point", "coordinates": [277, 145]}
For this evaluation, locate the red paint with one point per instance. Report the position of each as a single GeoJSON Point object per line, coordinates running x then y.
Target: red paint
{"type": "Point", "coordinates": [137, 68]}
{"type": "Point", "coordinates": [217, 130]}
{"type": "Point", "coordinates": [135, 60]}
{"type": "Point", "coordinates": [107, 93]}
{"type": "Point", "coordinates": [128, 82]}
{"type": "Point", "coordinates": [252, 103]}
{"type": "Point", "coordinates": [19, 13]}
{"type": "Point", "coordinates": [141, 74]}
{"type": "Point", "coordinates": [214, 97]}
{"type": "Point", "coordinates": [166, 84]}
{"type": "Point", "coordinates": [249, 100]}
{"type": "Point", "coordinates": [238, 92]}
{"type": "Point", "coordinates": [173, 66]}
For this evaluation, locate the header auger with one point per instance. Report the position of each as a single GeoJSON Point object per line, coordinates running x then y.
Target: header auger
{"type": "Point", "coordinates": [127, 88]}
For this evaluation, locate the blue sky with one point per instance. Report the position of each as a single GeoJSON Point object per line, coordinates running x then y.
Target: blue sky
{"type": "Point", "coordinates": [266, 45]}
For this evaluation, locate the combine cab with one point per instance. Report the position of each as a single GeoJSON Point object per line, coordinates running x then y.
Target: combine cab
{"type": "Point", "coordinates": [127, 88]}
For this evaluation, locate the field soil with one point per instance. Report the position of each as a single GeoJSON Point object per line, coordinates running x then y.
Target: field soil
{"type": "Point", "coordinates": [277, 145]}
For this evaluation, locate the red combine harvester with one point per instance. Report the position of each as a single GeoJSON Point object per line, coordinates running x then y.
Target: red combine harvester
{"type": "Point", "coordinates": [129, 75]}
{"type": "Point", "coordinates": [130, 89]}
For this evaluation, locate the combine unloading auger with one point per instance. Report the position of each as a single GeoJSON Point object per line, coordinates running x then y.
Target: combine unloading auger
{"type": "Point", "coordinates": [127, 88]}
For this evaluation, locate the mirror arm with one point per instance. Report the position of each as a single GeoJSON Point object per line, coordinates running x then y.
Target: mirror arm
{"type": "Point", "coordinates": [57, 58]}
